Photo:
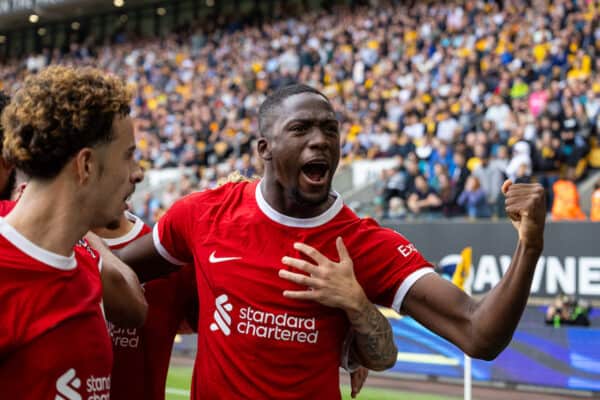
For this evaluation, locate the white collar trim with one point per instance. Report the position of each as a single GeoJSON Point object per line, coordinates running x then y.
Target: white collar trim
{"type": "Point", "coordinates": [129, 236]}
{"type": "Point", "coordinates": [34, 251]}
{"type": "Point", "coordinates": [283, 219]}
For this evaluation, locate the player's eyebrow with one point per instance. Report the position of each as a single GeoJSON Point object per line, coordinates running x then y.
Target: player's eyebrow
{"type": "Point", "coordinates": [319, 121]}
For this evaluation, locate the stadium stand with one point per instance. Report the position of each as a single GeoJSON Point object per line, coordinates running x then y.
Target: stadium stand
{"type": "Point", "coordinates": [449, 88]}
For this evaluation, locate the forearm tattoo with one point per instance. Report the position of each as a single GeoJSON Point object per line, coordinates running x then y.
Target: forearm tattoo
{"type": "Point", "coordinates": [374, 339]}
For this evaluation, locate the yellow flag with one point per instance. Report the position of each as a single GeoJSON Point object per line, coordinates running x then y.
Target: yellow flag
{"type": "Point", "coordinates": [463, 269]}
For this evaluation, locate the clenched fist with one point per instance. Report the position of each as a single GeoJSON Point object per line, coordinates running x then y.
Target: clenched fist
{"type": "Point", "coordinates": [526, 207]}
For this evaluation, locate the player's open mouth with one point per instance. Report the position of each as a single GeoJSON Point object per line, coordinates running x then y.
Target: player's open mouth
{"type": "Point", "coordinates": [316, 172]}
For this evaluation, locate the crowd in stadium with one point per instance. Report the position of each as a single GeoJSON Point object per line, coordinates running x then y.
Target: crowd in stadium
{"type": "Point", "coordinates": [461, 95]}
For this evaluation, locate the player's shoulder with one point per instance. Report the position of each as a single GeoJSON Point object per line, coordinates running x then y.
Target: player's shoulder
{"type": "Point", "coordinates": [217, 196]}
{"type": "Point", "coordinates": [83, 251]}
{"type": "Point", "coordinates": [369, 229]}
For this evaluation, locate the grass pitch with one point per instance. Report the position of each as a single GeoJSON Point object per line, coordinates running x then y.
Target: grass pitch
{"type": "Point", "coordinates": [179, 380]}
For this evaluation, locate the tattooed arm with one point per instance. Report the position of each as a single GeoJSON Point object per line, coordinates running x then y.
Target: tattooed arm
{"type": "Point", "coordinates": [373, 344]}
{"type": "Point", "coordinates": [334, 285]}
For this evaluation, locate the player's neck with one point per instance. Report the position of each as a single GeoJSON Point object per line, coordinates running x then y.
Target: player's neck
{"type": "Point", "coordinates": [48, 216]}
{"type": "Point", "coordinates": [276, 197]}
{"type": "Point", "coordinates": [125, 226]}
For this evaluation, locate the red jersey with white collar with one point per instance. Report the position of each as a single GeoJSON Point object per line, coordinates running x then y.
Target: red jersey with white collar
{"type": "Point", "coordinates": [142, 355]}
{"type": "Point", "coordinates": [255, 343]}
{"type": "Point", "coordinates": [53, 338]}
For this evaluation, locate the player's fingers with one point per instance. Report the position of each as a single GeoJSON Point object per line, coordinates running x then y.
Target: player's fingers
{"type": "Point", "coordinates": [530, 190]}
{"type": "Point", "coordinates": [357, 380]}
{"type": "Point", "coordinates": [519, 200]}
{"type": "Point", "coordinates": [300, 279]}
{"type": "Point", "coordinates": [311, 252]}
{"type": "Point", "coordinates": [300, 294]}
{"type": "Point", "coordinates": [525, 201]}
{"type": "Point", "coordinates": [353, 385]}
{"type": "Point", "coordinates": [506, 185]}
{"type": "Point", "coordinates": [300, 264]}
{"type": "Point", "coordinates": [342, 250]}
{"type": "Point", "coordinates": [362, 377]}
{"type": "Point", "coordinates": [516, 211]}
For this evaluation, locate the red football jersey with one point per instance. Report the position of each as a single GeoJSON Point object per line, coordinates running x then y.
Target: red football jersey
{"type": "Point", "coordinates": [53, 338]}
{"type": "Point", "coordinates": [253, 342]}
{"type": "Point", "coordinates": [6, 206]}
{"type": "Point", "coordinates": [142, 356]}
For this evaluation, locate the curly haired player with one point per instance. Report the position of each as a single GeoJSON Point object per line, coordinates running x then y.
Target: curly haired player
{"type": "Point", "coordinates": [69, 131]}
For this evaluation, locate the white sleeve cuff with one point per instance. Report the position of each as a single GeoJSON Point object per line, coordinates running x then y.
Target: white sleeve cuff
{"type": "Point", "coordinates": [161, 249]}
{"type": "Point", "coordinates": [407, 284]}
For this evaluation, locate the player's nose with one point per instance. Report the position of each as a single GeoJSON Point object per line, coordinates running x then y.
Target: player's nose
{"type": "Point", "coordinates": [138, 174]}
{"type": "Point", "coordinates": [317, 138]}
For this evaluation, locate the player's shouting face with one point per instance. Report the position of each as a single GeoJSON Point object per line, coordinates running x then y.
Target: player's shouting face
{"type": "Point", "coordinates": [301, 147]}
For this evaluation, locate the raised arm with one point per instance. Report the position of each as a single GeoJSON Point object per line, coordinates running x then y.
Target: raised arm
{"type": "Point", "coordinates": [483, 329]}
{"type": "Point", "coordinates": [335, 285]}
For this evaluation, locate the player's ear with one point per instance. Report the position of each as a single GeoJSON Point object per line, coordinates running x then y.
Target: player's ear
{"type": "Point", "coordinates": [263, 146]}
{"type": "Point", "coordinates": [83, 165]}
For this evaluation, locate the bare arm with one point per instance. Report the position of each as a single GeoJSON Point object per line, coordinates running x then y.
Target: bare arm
{"type": "Point", "coordinates": [483, 329]}
{"type": "Point", "coordinates": [141, 255]}
{"type": "Point", "coordinates": [334, 285]}
{"type": "Point", "coordinates": [374, 341]}
{"type": "Point", "coordinates": [122, 294]}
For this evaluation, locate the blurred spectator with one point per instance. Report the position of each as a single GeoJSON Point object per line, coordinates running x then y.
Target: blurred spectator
{"type": "Point", "coordinates": [568, 310]}
{"type": "Point", "coordinates": [523, 174]}
{"type": "Point", "coordinates": [521, 159]}
{"type": "Point", "coordinates": [558, 313]}
{"type": "Point", "coordinates": [566, 199]}
{"type": "Point", "coordinates": [490, 176]}
{"type": "Point", "coordinates": [169, 195]}
{"type": "Point", "coordinates": [474, 200]}
{"type": "Point", "coordinates": [458, 172]}
{"type": "Point", "coordinates": [424, 201]}
{"type": "Point", "coordinates": [448, 193]}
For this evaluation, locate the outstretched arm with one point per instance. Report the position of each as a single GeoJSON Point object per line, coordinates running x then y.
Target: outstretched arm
{"type": "Point", "coordinates": [335, 285]}
{"type": "Point", "coordinates": [483, 329]}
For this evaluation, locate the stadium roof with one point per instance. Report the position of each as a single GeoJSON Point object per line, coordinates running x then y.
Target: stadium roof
{"type": "Point", "coordinates": [15, 13]}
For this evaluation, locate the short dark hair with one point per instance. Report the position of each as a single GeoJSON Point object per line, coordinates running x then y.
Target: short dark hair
{"type": "Point", "coordinates": [58, 112]}
{"type": "Point", "coordinates": [273, 101]}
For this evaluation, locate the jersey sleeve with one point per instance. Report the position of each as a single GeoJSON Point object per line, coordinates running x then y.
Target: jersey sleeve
{"type": "Point", "coordinates": [388, 266]}
{"type": "Point", "coordinates": [172, 232]}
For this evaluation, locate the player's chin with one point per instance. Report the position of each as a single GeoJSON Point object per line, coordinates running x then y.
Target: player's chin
{"type": "Point", "coordinates": [313, 196]}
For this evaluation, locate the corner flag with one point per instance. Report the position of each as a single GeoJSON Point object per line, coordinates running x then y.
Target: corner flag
{"type": "Point", "coordinates": [463, 269]}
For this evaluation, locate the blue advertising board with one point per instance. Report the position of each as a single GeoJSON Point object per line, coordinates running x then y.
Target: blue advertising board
{"type": "Point", "coordinates": [565, 357]}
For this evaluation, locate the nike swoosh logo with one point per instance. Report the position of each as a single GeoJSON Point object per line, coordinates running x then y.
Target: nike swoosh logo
{"type": "Point", "coordinates": [214, 259]}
